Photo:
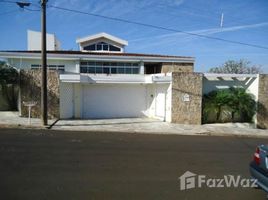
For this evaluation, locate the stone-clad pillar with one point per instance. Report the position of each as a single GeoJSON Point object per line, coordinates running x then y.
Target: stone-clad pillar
{"type": "Point", "coordinates": [262, 110]}
{"type": "Point", "coordinates": [187, 98]}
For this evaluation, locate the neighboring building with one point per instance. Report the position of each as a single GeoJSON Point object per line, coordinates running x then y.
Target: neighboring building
{"type": "Point", "coordinates": [34, 41]}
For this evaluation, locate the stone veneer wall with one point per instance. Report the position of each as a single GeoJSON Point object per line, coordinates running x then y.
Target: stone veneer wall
{"type": "Point", "coordinates": [262, 111]}
{"type": "Point", "coordinates": [187, 112]}
{"type": "Point", "coordinates": [177, 67]}
{"type": "Point", "coordinates": [30, 90]}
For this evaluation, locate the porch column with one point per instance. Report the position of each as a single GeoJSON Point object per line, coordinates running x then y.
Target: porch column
{"type": "Point", "coordinates": [141, 67]}
{"type": "Point", "coordinates": [77, 66]}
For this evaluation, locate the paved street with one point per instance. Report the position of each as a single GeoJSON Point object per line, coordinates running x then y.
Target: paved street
{"type": "Point", "coordinates": [50, 164]}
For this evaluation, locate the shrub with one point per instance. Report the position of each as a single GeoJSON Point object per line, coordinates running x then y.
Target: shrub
{"type": "Point", "coordinates": [228, 105]}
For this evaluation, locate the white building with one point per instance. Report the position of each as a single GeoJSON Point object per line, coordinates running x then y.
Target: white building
{"type": "Point", "coordinates": [34, 41]}
{"type": "Point", "coordinates": [102, 80]}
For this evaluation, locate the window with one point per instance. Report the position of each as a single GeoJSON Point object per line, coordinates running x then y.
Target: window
{"type": "Point", "coordinates": [113, 70]}
{"type": "Point", "coordinates": [101, 46]}
{"type": "Point", "coordinates": [109, 67]}
{"type": "Point", "coordinates": [135, 70]}
{"type": "Point", "coordinates": [90, 47]}
{"type": "Point", "coordinates": [128, 70]}
{"type": "Point", "coordinates": [91, 70]}
{"type": "Point", "coordinates": [83, 69]}
{"type": "Point", "coordinates": [50, 67]}
{"type": "Point", "coordinates": [114, 48]}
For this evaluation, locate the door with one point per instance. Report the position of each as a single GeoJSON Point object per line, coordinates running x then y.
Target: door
{"type": "Point", "coordinates": [113, 101]}
{"type": "Point", "coordinates": [160, 100]}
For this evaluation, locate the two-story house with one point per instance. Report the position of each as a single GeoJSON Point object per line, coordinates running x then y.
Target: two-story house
{"type": "Point", "coordinates": [102, 80]}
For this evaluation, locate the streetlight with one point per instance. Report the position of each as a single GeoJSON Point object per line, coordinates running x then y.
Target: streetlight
{"type": "Point", "coordinates": [23, 4]}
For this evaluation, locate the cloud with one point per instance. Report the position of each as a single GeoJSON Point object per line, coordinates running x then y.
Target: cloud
{"type": "Point", "coordinates": [174, 2]}
{"type": "Point", "coordinates": [174, 37]}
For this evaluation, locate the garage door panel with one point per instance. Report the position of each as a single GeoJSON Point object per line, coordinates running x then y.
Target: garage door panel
{"type": "Point", "coordinates": [114, 101]}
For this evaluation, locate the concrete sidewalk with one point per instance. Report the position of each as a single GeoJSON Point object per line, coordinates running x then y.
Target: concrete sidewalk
{"type": "Point", "coordinates": [152, 126]}
{"type": "Point", "coordinates": [12, 119]}
{"type": "Point", "coordinates": [135, 125]}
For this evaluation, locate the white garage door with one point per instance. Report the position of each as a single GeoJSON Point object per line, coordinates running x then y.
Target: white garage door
{"type": "Point", "coordinates": [113, 101]}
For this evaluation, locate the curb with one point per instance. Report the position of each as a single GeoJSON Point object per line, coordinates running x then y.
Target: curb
{"type": "Point", "coordinates": [203, 133]}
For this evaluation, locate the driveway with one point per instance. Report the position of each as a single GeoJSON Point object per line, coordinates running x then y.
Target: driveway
{"type": "Point", "coordinates": [49, 164]}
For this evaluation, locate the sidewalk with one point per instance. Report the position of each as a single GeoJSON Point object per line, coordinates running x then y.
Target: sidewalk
{"type": "Point", "coordinates": [12, 119]}
{"type": "Point", "coordinates": [135, 125]}
{"type": "Point", "coordinates": [152, 126]}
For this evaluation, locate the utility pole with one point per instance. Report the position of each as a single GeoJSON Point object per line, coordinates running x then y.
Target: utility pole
{"type": "Point", "coordinates": [44, 64]}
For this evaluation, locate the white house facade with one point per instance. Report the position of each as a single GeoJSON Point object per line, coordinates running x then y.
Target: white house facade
{"type": "Point", "coordinates": [102, 80]}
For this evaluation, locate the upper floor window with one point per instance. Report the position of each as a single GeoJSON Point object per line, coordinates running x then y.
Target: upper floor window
{"type": "Point", "coordinates": [101, 46]}
{"type": "Point", "coordinates": [50, 67]}
{"type": "Point", "coordinates": [109, 68]}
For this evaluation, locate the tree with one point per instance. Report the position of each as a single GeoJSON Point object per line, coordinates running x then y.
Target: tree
{"type": "Point", "coordinates": [215, 101]}
{"type": "Point", "coordinates": [8, 82]}
{"type": "Point", "coordinates": [236, 67]}
{"type": "Point", "coordinates": [242, 103]}
{"type": "Point", "coordinates": [233, 101]}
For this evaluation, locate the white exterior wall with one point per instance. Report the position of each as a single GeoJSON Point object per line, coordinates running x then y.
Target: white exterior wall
{"type": "Point", "coordinates": [168, 103]}
{"type": "Point", "coordinates": [66, 100]}
{"type": "Point", "coordinates": [250, 84]}
{"type": "Point", "coordinates": [84, 100]}
{"type": "Point", "coordinates": [34, 41]}
{"type": "Point", "coordinates": [70, 65]}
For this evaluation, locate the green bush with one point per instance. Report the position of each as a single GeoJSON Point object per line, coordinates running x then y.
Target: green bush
{"type": "Point", "coordinates": [228, 105]}
{"type": "Point", "coordinates": [8, 86]}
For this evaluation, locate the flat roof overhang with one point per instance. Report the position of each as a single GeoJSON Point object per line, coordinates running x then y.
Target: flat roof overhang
{"type": "Point", "coordinates": [104, 57]}
{"type": "Point", "coordinates": [116, 79]}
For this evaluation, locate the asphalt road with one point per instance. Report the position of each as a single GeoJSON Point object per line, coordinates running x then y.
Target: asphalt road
{"type": "Point", "coordinates": [47, 164]}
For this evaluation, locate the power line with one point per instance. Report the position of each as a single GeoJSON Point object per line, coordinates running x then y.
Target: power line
{"type": "Point", "coordinates": [159, 27]}
{"type": "Point", "coordinates": [9, 12]}
{"type": "Point", "coordinates": [21, 2]}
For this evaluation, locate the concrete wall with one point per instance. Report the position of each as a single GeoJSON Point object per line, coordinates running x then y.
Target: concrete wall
{"type": "Point", "coordinates": [177, 67]}
{"type": "Point", "coordinates": [30, 90]}
{"type": "Point", "coordinates": [262, 110]}
{"type": "Point", "coordinates": [187, 98]}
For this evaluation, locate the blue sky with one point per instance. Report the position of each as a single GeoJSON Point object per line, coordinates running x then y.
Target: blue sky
{"type": "Point", "coordinates": [244, 21]}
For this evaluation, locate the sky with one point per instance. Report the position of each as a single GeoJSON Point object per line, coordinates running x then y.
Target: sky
{"type": "Point", "coordinates": [244, 21]}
